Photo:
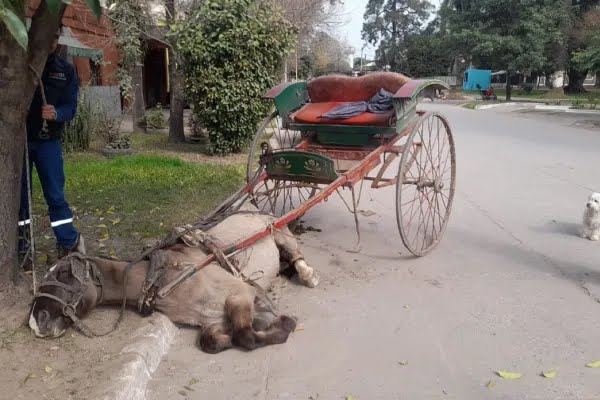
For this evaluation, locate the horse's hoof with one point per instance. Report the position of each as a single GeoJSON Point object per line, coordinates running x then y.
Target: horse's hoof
{"type": "Point", "coordinates": [313, 281]}
{"type": "Point", "coordinates": [288, 324]}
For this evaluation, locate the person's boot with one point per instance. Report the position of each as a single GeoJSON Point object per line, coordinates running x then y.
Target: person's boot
{"type": "Point", "coordinates": [78, 248]}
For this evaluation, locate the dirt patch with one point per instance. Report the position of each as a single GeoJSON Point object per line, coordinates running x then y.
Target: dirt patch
{"type": "Point", "coordinates": [65, 368]}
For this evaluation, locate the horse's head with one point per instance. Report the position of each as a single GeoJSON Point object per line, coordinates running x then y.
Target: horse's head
{"type": "Point", "coordinates": [70, 289]}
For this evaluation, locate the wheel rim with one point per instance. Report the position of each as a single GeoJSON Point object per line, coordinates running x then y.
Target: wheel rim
{"type": "Point", "coordinates": [426, 184]}
{"type": "Point", "coordinates": [276, 197]}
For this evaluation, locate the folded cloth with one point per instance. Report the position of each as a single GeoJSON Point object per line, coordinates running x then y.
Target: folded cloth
{"type": "Point", "coordinates": [380, 103]}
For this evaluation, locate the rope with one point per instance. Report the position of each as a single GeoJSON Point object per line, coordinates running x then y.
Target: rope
{"type": "Point", "coordinates": [31, 249]}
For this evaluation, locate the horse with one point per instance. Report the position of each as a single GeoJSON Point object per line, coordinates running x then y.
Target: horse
{"type": "Point", "coordinates": [224, 307]}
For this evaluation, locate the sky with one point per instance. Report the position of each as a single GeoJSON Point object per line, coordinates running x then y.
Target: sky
{"type": "Point", "coordinates": [353, 13]}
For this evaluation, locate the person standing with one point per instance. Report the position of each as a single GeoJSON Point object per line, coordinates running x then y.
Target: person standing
{"type": "Point", "coordinates": [45, 125]}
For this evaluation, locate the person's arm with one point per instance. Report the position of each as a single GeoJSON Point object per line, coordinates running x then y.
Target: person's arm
{"type": "Point", "coordinates": [68, 107]}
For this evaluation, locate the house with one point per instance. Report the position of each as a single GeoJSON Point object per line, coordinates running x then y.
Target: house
{"type": "Point", "coordinates": [89, 45]}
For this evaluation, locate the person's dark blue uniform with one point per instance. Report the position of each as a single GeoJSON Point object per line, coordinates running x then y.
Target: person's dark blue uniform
{"type": "Point", "coordinates": [45, 149]}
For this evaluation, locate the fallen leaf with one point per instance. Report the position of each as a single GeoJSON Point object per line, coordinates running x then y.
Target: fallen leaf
{"type": "Point", "coordinates": [193, 381]}
{"type": "Point", "coordinates": [112, 252]}
{"type": "Point", "coordinates": [101, 245]}
{"type": "Point", "coordinates": [183, 393]}
{"type": "Point", "coordinates": [53, 348]}
{"type": "Point", "coordinates": [299, 328]}
{"type": "Point", "coordinates": [594, 364]}
{"type": "Point", "coordinates": [43, 258]}
{"type": "Point", "coordinates": [105, 235]}
{"type": "Point", "coordinates": [549, 374]}
{"type": "Point", "coordinates": [47, 237]}
{"type": "Point", "coordinates": [188, 388]}
{"type": "Point", "coordinates": [98, 212]}
{"type": "Point", "coordinates": [101, 218]}
{"type": "Point", "coordinates": [509, 375]}
{"type": "Point", "coordinates": [28, 377]}
{"type": "Point", "coordinates": [349, 398]}
{"type": "Point", "coordinates": [48, 369]}
{"type": "Point", "coordinates": [101, 226]}
{"type": "Point", "coordinates": [111, 209]}
{"type": "Point", "coordinates": [161, 224]}
{"type": "Point", "coordinates": [367, 213]}
{"type": "Point", "coordinates": [491, 384]}
{"type": "Point", "coordinates": [116, 221]}
{"type": "Point", "coordinates": [403, 362]}
{"type": "Point", "coordinates": [407, 306]}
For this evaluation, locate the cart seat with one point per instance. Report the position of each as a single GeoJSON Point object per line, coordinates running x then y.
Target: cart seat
{"type": "Point", "coordinates": [310, 113]}
{"type": "Point", "coordinates": [330, 91]}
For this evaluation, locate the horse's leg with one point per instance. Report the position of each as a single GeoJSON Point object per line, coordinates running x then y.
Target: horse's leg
{"type": "Point", "coordinates": [289, 252]}
{"type": "Point", "coordinates": [215, 338]}
{"type": "Point", "coordinates": [249, 332]}
{"type": "Point", "coordinates": [239, 310]}
{"type": "Point", "coordinates": [275, 331]}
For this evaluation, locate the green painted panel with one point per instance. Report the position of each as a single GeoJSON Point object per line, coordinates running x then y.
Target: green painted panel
{"type": "Point", "coordinates": [291, 99]}
{"type": "Point", "coordinates": [301, 166]}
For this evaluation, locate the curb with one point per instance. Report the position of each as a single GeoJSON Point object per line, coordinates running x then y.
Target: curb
{"type": "Point", "coordinates": [488, 106]}
{"type": "Point", "coordinates": [138, 360]}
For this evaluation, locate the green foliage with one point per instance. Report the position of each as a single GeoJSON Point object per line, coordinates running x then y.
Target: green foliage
{"type": "Point", "coordinates": [233, 50]}
{"type": "Point", "coordinates": [78, 132]}
{"type": "Point", "coordinates": [507, 34]}
{"type": "Point", "coordinates": [389, 24]}
{"type": "Point", "coordinates": [129, 18]}
{"type": "Point", "coordinates": [15, 25]}
{"type": "Point", "coordinates": [588, 57]}
{"type": "Point", "coordinates": [428, 55]}
{"type": "Point", "coordinates": [155, 118]}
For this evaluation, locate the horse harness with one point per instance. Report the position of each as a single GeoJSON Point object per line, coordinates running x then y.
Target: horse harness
{"type": "Point", "coordinates": [85, 272]}
{"type": "Point", "coordinates": [155, 286]}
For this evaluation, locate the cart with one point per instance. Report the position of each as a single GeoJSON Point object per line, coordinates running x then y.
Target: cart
{"type": "Point", "coordinates": [298, 159]}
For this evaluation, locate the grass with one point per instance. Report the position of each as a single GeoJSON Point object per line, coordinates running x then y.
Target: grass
{"type": "Point", "coordinates": [120, 201]}
{"type": "Point", "coordinates": [471, 105]}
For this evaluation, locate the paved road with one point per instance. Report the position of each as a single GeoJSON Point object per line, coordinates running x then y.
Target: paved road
{"type": "Point", "coordinates": [511, 287]}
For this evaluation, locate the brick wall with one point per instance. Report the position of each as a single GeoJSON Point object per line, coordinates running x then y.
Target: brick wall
{"type": "Point", "coordinates": [91, 32]}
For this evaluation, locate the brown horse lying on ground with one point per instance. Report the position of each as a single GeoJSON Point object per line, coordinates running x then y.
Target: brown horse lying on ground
{"type": "Point", "coordinates": [222, 305]}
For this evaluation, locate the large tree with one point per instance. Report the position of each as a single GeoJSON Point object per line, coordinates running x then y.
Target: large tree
{"type": "Point", "coordinates": [584, 48]}
{"type": "Point", "coordinates": [510, 35]}
{"type": "Point", "coordinates": [20, 53]}
{"type": "Point", "coordinates": [389, 24]}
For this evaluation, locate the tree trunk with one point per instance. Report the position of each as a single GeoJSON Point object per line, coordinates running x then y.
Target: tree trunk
{"type": "Point", "coordinates": [576, 79]}
{"type": "Point", "coordinates": [17, 87]}
{"type": "Point", "coordinates": [549, 83]}
{"type": "Point", "coordinates": [508, 86]}
{"type": "Point", "coordinates": [597, 82]}
{"type": "Point", "coordinates": [139, 107]}
{"type": "Point", "coordinates": [176, 131]}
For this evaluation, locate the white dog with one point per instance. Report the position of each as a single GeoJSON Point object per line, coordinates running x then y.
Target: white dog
{"type": "Point", "coordinates": [591, 218]}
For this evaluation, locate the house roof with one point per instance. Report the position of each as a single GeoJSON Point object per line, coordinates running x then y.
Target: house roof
{"type": "Point", "coordinates": [75, 48]}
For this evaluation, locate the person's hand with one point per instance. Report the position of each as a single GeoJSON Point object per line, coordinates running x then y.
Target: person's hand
{"type": "Point", "coordinates": [48, 112]}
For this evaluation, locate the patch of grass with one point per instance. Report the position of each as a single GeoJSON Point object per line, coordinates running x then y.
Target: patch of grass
{"type": "Point", "coordinates": [470, 106]}
{"type": "Point", "coordinates": [146, 195]}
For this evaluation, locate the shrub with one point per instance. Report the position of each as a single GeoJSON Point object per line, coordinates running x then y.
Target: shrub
{"type": "Point", "coordinates": [233, 51]}
{"type": "Point", "coordinates": [78, 132]}
{"type": "Point", "coordinates": [155, 118]}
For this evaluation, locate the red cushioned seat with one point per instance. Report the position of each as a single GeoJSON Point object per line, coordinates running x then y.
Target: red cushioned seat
{"type": "Point", "coordinates": [309, 114]}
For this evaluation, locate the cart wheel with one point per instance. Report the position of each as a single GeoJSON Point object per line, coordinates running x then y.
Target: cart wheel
{"type": "Point", "coordinates": [426, 182]}
{"type": "Point", "coordinates": [276, 197]}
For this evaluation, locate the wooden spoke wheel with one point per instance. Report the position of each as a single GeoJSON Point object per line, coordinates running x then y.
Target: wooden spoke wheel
{"type": "Point", "coordinates": [275, 196]}
{"type": "Point", "coordinates": [426, 183]}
